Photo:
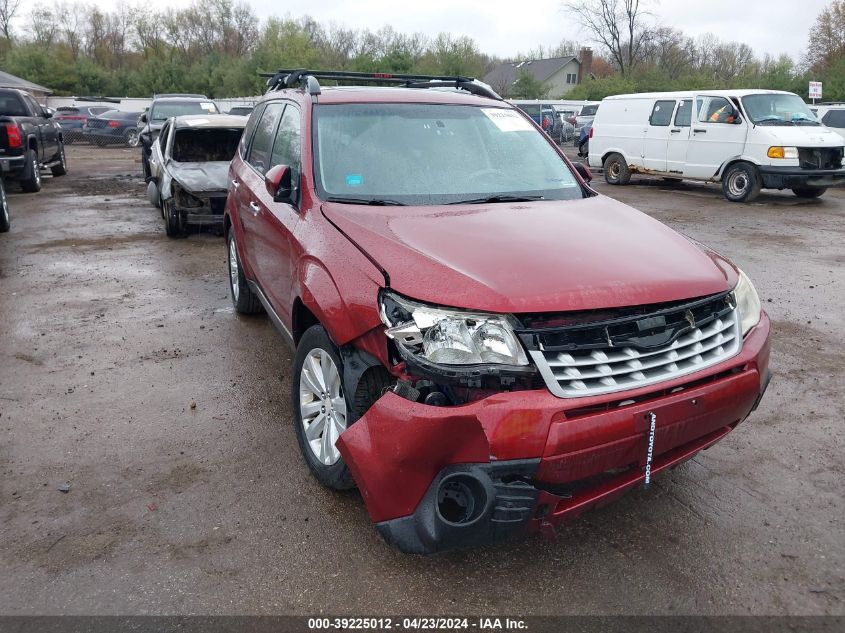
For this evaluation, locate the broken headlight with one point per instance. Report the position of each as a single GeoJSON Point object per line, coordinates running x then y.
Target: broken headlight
{"type": "Point", "coordinates": [747, 302]}
{"type": "Point", "coordinates": [451, 337]}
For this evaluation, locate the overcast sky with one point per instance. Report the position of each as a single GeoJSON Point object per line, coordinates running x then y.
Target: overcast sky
{"type": "Point", "coordinates": [505, 27]}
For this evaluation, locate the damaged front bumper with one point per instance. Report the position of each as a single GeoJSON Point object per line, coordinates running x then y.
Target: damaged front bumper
{"type": "Point", "coordinates": [436, 478]}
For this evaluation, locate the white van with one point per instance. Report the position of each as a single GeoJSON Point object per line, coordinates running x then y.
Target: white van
{"type": "Point", "coordinates": [745, 139]}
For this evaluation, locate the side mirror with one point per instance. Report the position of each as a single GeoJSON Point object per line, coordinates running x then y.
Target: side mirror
{"type": "Point", "coordinates": [144, 117]}
{"type": "Point", "coordinates": [583, 171]}
{"type": "Point", "coordinates": [278, 181]}
{"type": "Point", "coordinates": [48, 113]}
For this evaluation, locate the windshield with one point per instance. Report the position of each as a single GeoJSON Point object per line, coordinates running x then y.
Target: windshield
{"type": "Point", "coordinates": [778, 109]}
{"type": "Point", "coordinates": [589, 110]}
{"type": "Point", "coordinates": [163, 111]}
{"type": "Point", "coordinates": [426, 154]}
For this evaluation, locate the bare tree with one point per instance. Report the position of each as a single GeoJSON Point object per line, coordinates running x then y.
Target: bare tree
{"type": "Point", "coordinates": [827, 36]}
{"type": "Point", "coordinates": [619, 26]}
{"type": "Point", "coordinates": [8, 9]}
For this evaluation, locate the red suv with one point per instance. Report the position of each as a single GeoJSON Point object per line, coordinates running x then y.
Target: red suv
{"type": "Point", "coordinates": [485, 346]}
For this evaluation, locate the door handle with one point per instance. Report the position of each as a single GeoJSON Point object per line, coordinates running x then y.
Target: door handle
{"type": "Point", "coordinates": [255, 208]}
{"type": "Point", "coordinates": [236, 184]}
{"type": "Point", "coordinates": [675, 131]}
{"type": "Point", "coordinates": [696, 131]}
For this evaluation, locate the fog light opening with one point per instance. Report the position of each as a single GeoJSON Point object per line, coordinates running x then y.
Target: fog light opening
{"type": "Point", "coordinates": [460, 499]}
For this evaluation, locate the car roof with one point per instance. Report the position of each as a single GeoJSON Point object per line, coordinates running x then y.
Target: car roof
{"type": "Point", "coordinates": [202, 121]}
{"type": "Point", "coordinates": [379, 94]}
{"type": "Point", "coordinates": [687, 94]}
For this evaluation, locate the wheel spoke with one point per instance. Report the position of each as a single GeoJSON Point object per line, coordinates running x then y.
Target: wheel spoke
{"type": "Point", "coordinates": [313, 430]}
{"type": "Point", "coordinates": [310, 408]}
{"type": "Point", "coordinates": [316, 369]}
{"type": "Point", "coordinates": [326, 446]}
{"type": "Point", "coordinates": [310, 382]}
{"type": "Point", "coordinates": [339, 404]}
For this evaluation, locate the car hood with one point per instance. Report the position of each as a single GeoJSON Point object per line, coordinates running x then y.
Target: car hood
{"type": "Point", "coordinates": [803, 136]}
{"type": "Point", "coordinates": [532, 257]}
{"type": "Point", "coordinates": [196, 177]}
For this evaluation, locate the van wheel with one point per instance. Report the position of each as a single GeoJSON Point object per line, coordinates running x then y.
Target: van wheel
{"type": "Point", "coordinates": [741, 182]}
{"type": "Point", "coordinates": [809, 192]}
{"type": "Point", "coordinates": [616, 170]}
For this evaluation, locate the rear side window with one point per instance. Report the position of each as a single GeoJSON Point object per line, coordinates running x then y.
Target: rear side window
{"type": "Point", "coordinates": [254, 118]}
{"type": "Point", "coordinates": [661, 114]}
{"type": "Point", "coordinates": [262, 141]}
{"type": "Point", "coordinates": [683, 117]}
{"type": "Point", "coordinates": [834, 118]}
{"type": "Point", "coordinates": [11, 104]}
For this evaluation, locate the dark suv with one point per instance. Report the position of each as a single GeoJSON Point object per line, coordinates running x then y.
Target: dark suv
{"type": "Point", "coordinates": [485, 346]}
{"type": "Point", "coordinates": [162, 108]}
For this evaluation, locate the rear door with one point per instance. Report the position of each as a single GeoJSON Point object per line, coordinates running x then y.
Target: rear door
{"type": "Point", "coordinates": [251, 185]}
{"type": "Point", "coordinates": [656, 135]}
{"type": "Point", "coordinates": [277, 220]}
{"type": "Point", "coordinates": [679, 132]}
{"type": "Point", "coordinates": [713, 138]}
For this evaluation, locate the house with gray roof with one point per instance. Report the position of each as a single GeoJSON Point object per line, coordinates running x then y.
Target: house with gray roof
{"type": "Point", "coordinates": [559, 74]}
{"type": "Point", "coordinates": [10, 81]}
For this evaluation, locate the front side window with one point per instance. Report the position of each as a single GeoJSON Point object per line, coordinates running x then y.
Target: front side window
{"type": "Point", "coordinates": [262, 140]}
{"type": "Point", "coordinates": [661, 114]}
{"type": "Point", "coordinates": [589, 110]}
{"type": "Point", "coordinates": [834, 118]}
{"type": "Point", "coordinates": [715, 110]}
{"type": "Point", "coordinates": [778, 109]}
{"type": "Point", "coordinates": [426, 154]}
{"type": "Point", "coordinates": [286, 148]}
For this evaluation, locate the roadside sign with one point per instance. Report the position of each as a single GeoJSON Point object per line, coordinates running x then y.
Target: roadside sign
{"type": "Point", "coordinates": [815, 90]}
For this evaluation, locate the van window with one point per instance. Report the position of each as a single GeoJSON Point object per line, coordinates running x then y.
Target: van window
{"type": "Point", "coordinates": [662, 113]}
{"type": "Point", "coordinates": [683, 117]}
{"type": "Point", "coordinates": [715, 110]}
{"type": "Point", "coordinates": [834, 118]}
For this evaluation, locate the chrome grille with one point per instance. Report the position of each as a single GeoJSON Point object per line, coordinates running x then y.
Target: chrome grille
{"type": "Point", "coordinates": [590, 372]}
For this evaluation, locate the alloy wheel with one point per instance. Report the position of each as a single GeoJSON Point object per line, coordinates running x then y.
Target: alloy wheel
{"type": "Point", "coordinates": [234, 270]}
{"type": "Point", "coordinates": [322, 405]}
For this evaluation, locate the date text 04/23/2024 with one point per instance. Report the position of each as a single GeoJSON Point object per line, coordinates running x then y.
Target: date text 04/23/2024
{"type": "Point", "coordinates": [417, 624]}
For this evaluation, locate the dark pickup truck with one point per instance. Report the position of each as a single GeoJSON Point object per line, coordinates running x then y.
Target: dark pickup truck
{"type": "Point", "coordinates": [30, 140]}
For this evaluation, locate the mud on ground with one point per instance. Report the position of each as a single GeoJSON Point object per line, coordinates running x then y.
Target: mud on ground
{"type": "Point", "coordinates": [111, 332]}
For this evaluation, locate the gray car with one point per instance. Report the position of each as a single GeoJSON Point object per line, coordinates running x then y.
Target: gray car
{"type": "Point", "coordinates": [189, 166]}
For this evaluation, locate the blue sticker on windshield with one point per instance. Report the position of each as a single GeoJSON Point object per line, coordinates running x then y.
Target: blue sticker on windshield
{"type": "Point", "coordinates": [354, 180]}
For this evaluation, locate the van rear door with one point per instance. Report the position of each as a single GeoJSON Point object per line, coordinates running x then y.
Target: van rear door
{"type": "Point", "coordinates": [656, 135]}
{"type": "Point", "coordinates": [713, 138]}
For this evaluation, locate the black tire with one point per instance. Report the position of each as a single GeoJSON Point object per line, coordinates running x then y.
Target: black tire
{"type": "Point", "coordinates": [244, 299]}
{"type": "Point", "coordinates": [809, 192]}
{"type": "Point", "coordinates": [370, 388]}
{"type": "Point", "coordinates": [174, 225]}
{"type": "Point", "coordinates": [5, 219]}
{"type": "Point", "coordinates": [741, 182]}
{"type": "Point", "coordinates": [616, 170]}
{"type": "Point", "coordinates": [61, 168]}
{"type": "Point", "coordinates": [31, 181]}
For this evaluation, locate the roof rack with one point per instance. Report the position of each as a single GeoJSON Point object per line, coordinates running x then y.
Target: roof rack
{"type": "Point", "coordinates": [308, 79]}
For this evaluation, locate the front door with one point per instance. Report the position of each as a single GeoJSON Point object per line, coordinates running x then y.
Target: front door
{"type": "Point", "coordinates": [717, 134]}
{"type": "Point", "coordinates": [656, 136]}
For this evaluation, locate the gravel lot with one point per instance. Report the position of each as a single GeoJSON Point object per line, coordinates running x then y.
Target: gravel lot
{"type": "Point", "coordinates": [111, 333]}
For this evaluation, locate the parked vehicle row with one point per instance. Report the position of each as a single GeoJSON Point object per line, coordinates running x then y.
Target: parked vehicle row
{"type": "Point", "coordinates": [745, 139]}
{"type": "Point", "coordinates": [484, 345]}
{"type": "Point", "coordinates": [72, 119]}
{"type": "Point", "coordinates": [30, 140]}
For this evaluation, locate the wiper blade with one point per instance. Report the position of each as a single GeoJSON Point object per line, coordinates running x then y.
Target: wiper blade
{"type": "Point", "coordinates": [376, 202]}
{"type": "Point", "coordinates": [499, 198]}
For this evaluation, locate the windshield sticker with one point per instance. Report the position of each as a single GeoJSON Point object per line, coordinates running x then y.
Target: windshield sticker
{"type": "Point", "coordinates": [507, 120]}
{"type": "Point", "coordinates": [354, 180]}
{"type": "Point", "coordinates": [207, 105]}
